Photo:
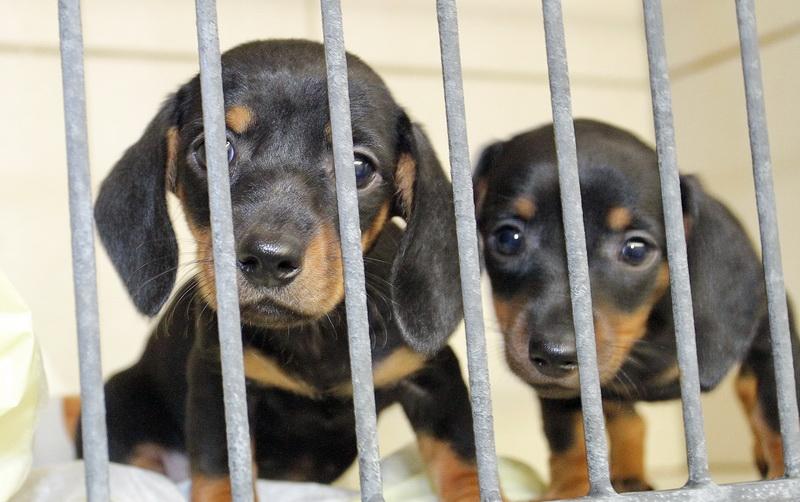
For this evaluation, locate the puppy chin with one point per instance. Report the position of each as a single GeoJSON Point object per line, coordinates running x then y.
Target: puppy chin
{"type": "Point", "coordinates": [268, 313]}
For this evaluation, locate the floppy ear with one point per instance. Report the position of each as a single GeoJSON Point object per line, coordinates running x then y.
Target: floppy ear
{"type": "Point", "coordinates": [485, 162]}
{"type": "Point", "coordinates": [728, 295]}
{"type": "Point", "coordinates": [132, 218]}
{"type": "Point", "coordinates": [426, 289]}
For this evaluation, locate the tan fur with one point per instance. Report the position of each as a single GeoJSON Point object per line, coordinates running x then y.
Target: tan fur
{"type": "Point", "coordinates": [71, 414]}
{"type": "Point", "coordinates": [208, 489]}
{"type": "Point", "coordinates": [455, 480]}
{"type": "Point", "coordinates": [619, 218]}
{"type": "Point", "coordinates": [569, 473]}
{"type": "Point", "coordinates": [626, 432]}
{"type": "Point", "coordinates": [404, 178]}
{"type": "Point", "coordinates": [238, 118]}
{"type": "Point", "coordinates": [525, 208]}
{"type": "Point", "coordinates": [372, 233]}
{"type": "Point", "coordinates": [480, 194]}
{"type": "Point", "coordinates": [397, 366]}
{"type": "Point", "coordinates": [768, 446]}
{"type": "Point", "coordinates": [267, 372]}
{"type": "Point", "coordinates": [616, 332]}
{"type": "Point", "coordinates": [173, 141]}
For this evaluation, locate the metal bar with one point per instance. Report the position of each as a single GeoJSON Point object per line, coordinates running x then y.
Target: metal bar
{"type": "Point", "coordinates": [219, 199]}
{"type": "Point", "coordinates": [770, 240]}
{"type": "Point", "coordinates": [782, 490]}
{"type": "Point", "coordinates": [577, 261]}
{"type": "Point", "coordinates": [93, 406]}
{"type": "Point", "coordinates": [676, 245]}
{"type": "Point", "coordinates": [469, 265]}
{"type": "Point", "coordinates": [350, 231]}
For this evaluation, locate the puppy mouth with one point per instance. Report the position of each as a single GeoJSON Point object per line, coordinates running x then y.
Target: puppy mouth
{"type": "Point", "coordinates": [269, 313]}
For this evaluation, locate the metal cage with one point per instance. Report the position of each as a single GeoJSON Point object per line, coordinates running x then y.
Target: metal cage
{"type": "Point", "coordinates": [700, 487]}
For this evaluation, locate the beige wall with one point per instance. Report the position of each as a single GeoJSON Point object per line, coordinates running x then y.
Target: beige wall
{"type": "Point", "coordinates": [137, 52]}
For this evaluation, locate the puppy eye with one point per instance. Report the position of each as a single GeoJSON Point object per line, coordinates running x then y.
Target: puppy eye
{"type": "Point", "coordinates": [636, 251]}
{"type": "Point", "coordinates": [364, 169]}
{"type": "Point", "coordinates": [508, 240]}
{"type": "Point", "coordinates": [200, 153]}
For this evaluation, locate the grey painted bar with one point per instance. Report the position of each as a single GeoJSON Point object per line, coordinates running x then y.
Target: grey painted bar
{"type": "Point", "coordinates": [697, 457]}
{"type": "Point", "coordinates": [577, 260]}
{"type": "Point", "coordinates": [219, 197]}
{"type": "Point", "coordinates": [350, 231]}
{"type": "Point", "coordinates": [770, 240]}
{"type": "Point", "coordinates": [84, 277]}
{"type": "Point", "coordinates": [469, 259]}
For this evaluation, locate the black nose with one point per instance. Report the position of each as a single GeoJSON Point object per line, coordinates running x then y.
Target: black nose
{"type": "Point", "coordinates": [553, 359]}
{"type": "Point", "coordinates": [269, 261]}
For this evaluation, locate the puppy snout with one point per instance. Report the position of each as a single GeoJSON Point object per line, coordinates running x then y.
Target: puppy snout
{"type": "Point", "coordinates": [553, 359]}
{"type": "Point", "coordinates": [270, 261]}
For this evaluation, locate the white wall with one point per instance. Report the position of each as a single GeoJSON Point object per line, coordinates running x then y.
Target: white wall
{"type": "Point", "coordinates": [137, 52]}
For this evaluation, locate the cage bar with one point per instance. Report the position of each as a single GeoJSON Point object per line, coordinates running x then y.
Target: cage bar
{"type": "Point", "coordinates": [350, 231]}
{"type": "Point", "coordinates": [84, 277]}
{"type": "Point", "coordinates": [682, 310]}
{"type": "Point", "coordinates": [468, 257]}
{"type": "Point", "coordinates": [780, 333]}
{"type": "Point", "coordinates": [577, 260]}
{"type": "Point", "coordinates": [219, 198]}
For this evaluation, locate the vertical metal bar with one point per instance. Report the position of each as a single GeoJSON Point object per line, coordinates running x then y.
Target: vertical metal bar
{"type": "Point", "coordinates": [350, 231]}
{"type": "Point", "coordinates": [93, 406]}
{"type": "Point", "coordinates": [468, 257]}
{"type": "Point", "coordinates": [770, 240]}
{"type": "Point", "coordinates": [676, 245]}
{"type": "Point", "coordinates": [577, 260]}
{"type": "Point", "coordinates": [219, 199]}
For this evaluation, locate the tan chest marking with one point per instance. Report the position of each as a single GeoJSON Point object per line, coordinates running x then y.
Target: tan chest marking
{"type": "Point", "coordinates": [266, 371]}
{"type": "Point", "coordinates": [397, 366]}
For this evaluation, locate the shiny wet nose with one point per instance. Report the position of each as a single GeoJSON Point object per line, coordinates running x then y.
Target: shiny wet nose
{"type": "Point", "coordinates": [553, 359]}
{"type": "Point", "coordinates": [270, 262]}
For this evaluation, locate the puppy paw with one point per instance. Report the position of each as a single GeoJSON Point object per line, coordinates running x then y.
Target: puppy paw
{"type": "Point", "coordinates": [631, 485]}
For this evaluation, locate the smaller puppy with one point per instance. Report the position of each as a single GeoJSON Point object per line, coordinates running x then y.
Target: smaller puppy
{"type": "Point", "coordinates": [519, 218]}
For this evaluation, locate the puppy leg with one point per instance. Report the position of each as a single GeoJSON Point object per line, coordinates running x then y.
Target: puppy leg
{"type": "Point", "coordinates": [205, 427]}
{"type": "Point", "coordinates": [626, 432]}
{"type": "Point", "coordinates": [437, 404]}
{"type": "Point", "coordinates": [755, 386]}
{"type": "Point", "coordinates": [563, 427]}
{"type": "Point", "coordinates": [140, 429]}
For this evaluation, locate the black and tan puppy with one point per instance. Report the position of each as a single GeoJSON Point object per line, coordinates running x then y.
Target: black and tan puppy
{"type": "Point", "coordinates": [290, 278]}
{"type": "Point", "coordinates": [519, 217]}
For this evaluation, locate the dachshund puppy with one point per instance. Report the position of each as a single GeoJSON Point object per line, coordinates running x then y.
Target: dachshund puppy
{"type": "Point", "coordinates": [519, 218]}
{"type": "Point", "coordinates": [289, 278]}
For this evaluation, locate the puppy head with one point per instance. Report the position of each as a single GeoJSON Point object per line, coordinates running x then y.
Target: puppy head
{"type": "Point", "coordinates": [281, 180]}
{"type": "Point", "coordinates": [520, 222]}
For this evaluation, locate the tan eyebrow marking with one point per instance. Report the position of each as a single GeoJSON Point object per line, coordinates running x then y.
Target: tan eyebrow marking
{"type": "Point", "coordinates": [525, 207]}
{"type": "Point", "coordinates": [238, 118]}
{"type": "Point", "coordinates": [619, 218]}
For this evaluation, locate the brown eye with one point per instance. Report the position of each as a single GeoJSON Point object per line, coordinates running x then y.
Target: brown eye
{"type": "Point", "coordinates": [200, 153]}
{"type": "Point", "coordinates": [637, 251]}
{"type": "Point", "coordinates": [508, 239]}
{"type": "Point", "coordinates": [364, 169]}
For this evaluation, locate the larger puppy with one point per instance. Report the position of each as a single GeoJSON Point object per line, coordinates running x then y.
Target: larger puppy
{"type": "Point", "coordinates": [519, 215]}
{"type": "Point", "coordinates": [290, 279]}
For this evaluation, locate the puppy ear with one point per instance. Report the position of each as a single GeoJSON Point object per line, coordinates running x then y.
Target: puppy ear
{"type": "Point", "coordinates": [426, 289]}
{"type": "Point", "coordinates": [132, 218]}
{"type": "Point", "coordinates": [728, 295]}
{"type": "Point", "coordinates": [485, 162]}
